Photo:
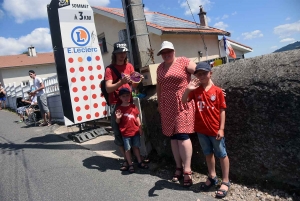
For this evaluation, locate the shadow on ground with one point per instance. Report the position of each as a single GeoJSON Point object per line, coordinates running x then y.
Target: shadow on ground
{"type": "Point", "coordinates": [165, 184]}
{"type": "Point", "coordinates": [103, 146]}
{"type": "Point", "coordinates": [103, 164]}
{"type": "Point", "coordinates": [37, 143]}
{"type": "Point", "coordinates": [47, 139]}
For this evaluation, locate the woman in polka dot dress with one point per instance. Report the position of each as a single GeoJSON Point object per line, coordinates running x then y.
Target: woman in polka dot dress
{"type": "Point", "coordinates": [177, 118]}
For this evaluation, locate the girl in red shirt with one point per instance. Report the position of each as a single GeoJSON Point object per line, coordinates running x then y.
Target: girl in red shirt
{"type": "Point", "coordinates": [127, 116]}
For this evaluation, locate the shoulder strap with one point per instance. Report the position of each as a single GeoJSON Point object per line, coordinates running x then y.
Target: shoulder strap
{"type": "Point", "coordinates": [117, 73]}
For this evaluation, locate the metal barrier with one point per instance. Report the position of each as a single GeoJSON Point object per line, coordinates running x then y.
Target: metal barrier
{"type": "Point", "coordinates": [14, 91]}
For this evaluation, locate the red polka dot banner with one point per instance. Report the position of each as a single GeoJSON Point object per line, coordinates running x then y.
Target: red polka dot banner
{"type": "Point", "coordinates": [84, 74]}
{"type": "Point", "coordinates": [79, 59]}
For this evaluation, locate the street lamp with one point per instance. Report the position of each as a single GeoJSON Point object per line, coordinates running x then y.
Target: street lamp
{"type": "Point", "coordinates": [200, 55]}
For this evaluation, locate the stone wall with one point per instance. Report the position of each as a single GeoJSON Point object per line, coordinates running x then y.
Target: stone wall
{"type": "Point", "coordinates": [262, 120]}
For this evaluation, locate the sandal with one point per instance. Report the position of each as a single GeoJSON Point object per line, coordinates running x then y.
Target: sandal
{"type": "Point", "coordinates": [177, 177]}
{"type": "Point", "coordinates": [224, 192]}
{"type": "Point", "coordinates": [143, 165]}
{"type": "Point", "coordinates": [187, 182]}
{"type": "Point", "coordinates": [131, 169]}
{"type": "Point", "coordinates": [124, 166]}
{"type": "Point", "coordinates": [213, 182]}
{"type": "Point", "coordinates": [145, 159]}
{"type": "Point", "coordinates": [43, 124]}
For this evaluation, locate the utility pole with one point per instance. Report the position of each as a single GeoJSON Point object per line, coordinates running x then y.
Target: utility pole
{"type": "Point", "coordinates": [137, 32]}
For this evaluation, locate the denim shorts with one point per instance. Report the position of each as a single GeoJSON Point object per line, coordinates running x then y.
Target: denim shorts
{"type": "Point", "coordinates": [180, 136]}
{"type": "Point", "coordinates": [210, 144]}
{"type": "Point", "coordinates": [133, 141]}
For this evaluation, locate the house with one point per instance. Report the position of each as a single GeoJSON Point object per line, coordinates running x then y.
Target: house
{"type": "Point", "coordinates": [14, 75]}
{"type": "Point", "coordinates": [188, 38]}
{"type": "Point", "coordinates": [14, 68]}
{"type": "Point", "coordinates": [239, 49]}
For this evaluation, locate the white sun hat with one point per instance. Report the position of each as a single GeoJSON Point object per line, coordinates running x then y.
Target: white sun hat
{"type": "Point", "coordinates": [166, 45]}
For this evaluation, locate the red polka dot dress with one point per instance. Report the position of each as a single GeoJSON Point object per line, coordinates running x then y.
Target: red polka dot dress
{"type": "Point", "coordinates": [176, 117]}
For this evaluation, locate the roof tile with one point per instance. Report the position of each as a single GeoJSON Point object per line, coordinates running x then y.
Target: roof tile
{"type": "Point", "coordinates": [187, 26]}
{"type": "Point", "coordinates": [239, 43]}
{"type": "Point", "coordinates": [25, 60]}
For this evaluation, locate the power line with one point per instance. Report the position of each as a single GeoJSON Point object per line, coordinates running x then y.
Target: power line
{"type": "Point", "coordinates": [205, 47]}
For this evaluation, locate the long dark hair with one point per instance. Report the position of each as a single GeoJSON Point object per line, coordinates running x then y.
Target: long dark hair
{"type": "Point", "coordinates": [114, 59]}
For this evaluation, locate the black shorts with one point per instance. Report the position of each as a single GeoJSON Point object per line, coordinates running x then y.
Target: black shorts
{"type": "Point", "coordinates": [180, 136]}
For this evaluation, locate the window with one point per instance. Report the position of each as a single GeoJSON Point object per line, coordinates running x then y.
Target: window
{"type": "Point", "coordinates": [25, 83]}
{"type": "Point", "coordinates": [102, 43]}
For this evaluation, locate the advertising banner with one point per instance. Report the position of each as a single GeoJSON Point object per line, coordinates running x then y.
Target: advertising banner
{"type": "Point", "coordinates": [78, 60]}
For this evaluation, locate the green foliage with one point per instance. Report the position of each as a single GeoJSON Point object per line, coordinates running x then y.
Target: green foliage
{"type": "Point", "coordinates": [293, 46]}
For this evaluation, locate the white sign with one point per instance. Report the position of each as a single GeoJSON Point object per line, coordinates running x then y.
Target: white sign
{"type": "Point", "coordinates": [83, 59]}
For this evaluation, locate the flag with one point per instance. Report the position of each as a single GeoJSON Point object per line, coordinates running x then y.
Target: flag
{"type": "Point", "coordinates": [228, 49]}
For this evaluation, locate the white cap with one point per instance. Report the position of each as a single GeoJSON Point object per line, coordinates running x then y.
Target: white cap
{"type": "Point", "coordinates": [166, 45]}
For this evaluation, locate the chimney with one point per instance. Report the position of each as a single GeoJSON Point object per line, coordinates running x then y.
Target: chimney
{"type": "Point", "coordinates": [31, 51]}
{"type": "Point", "coordinates": [202, 16]}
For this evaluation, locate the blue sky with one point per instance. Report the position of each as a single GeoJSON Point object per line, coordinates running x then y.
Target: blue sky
{"type": "Point", "coordinates": [264, 25]}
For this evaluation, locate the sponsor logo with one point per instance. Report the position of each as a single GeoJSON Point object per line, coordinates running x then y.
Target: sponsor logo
{"type": "Point", "coordinates": [122, 46]}
{"type": "Point", "coordinates": [201, 105]}
{"type": "Point", "coordinates": [80, 36]}
{"type": "Point", "coordinates": [130, 116]}
{"type": "Point", "coordinates": [213, 97]}
{"type": "Point", "coordinates": [81, 49]}
{"type": "Point", "coordinates": [63, 3]}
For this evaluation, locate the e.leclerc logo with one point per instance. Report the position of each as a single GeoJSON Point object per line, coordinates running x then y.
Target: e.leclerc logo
{"type": "Point", "coordinates": [81, 37]}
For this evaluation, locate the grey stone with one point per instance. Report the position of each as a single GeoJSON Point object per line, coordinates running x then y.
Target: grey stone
{"type": "Point", "coordinates": [262, 119]}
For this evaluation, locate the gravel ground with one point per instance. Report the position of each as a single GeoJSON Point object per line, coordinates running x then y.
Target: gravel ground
{"type": "Point", "coordinates": [237, 192]}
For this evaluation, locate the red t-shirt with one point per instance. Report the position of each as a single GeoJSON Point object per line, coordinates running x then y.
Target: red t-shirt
{"type": "Point", "coordinates": [128, 125]}
{"type": "Point", "coordinates": [110, 75]}
{"type": "Point", "coordinates": [208, 106]}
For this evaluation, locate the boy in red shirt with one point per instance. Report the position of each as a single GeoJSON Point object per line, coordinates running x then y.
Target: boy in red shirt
{"type": "Point", "coordinates": [127, 116]}
{"type": "Point", "coordinates": [209, 124]}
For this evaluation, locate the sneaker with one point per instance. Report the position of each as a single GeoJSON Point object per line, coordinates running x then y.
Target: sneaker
{"type": "Point", "coordinates": [20, 121]}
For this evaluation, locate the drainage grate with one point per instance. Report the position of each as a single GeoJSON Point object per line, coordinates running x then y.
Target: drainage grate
{"type": "Point", "coordinates": [88, 135]}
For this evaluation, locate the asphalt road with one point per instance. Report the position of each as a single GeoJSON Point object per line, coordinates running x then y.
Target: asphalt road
{"type": "Point", "coordinates": [36, 164]}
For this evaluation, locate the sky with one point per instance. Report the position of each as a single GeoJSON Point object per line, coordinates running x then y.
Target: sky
{"type": "Point", "coordinates": [264, 25]}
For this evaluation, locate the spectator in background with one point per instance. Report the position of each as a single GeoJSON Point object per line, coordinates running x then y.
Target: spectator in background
{"type": "Point", "coordinates": [41, 98]}
{"type": "Point", "coordinates": [2, 97]}
{"type": "Point", "coordinates": [22, 105]}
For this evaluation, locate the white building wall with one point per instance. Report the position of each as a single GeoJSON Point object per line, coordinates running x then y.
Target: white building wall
{"type": "Point", "coordinates": [111, 28]}
{"type": "Point", "coordinates": [186, 45]}
{"type": "Point", "coordinates": [20, 74]}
